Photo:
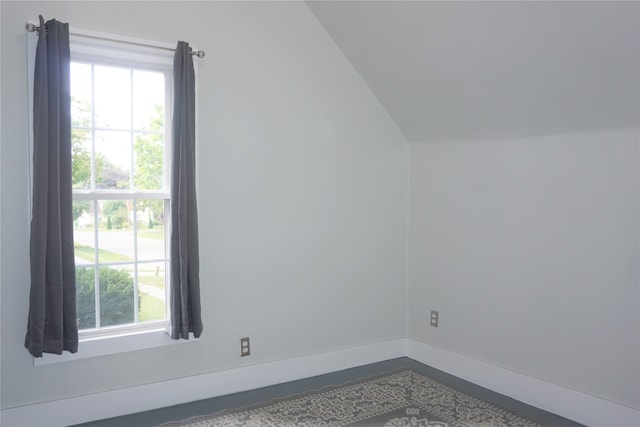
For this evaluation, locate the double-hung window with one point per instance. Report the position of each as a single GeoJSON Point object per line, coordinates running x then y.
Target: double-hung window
{"type": "Point", "coordinates": [120, 111]}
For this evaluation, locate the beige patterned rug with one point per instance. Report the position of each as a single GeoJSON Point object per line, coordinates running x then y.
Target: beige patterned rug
{"type": "Point", "coordinates": [400, 398]}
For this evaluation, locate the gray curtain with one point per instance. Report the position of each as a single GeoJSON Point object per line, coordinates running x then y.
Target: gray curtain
{"type": "Point", "coordinates": [52, 325]}
{"type": "Point", "coordinates": [185, 280]}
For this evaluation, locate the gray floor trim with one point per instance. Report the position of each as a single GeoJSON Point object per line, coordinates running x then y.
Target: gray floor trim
{"type": "Point", "coordinates": [237, 400]}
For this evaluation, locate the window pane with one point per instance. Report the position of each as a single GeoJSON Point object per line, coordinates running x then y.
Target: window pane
{"type": "Point", "coordinates": [148, 100]}
{"type": "Point", "coordinates": [116, 295]}
{"type": "Point", "coordinates": [85, 297]}
{"type": "Point", "coordinates": [149, 161]}
{"type": "Point", "coordinates": [113, 160]}
{"type": "Point", "coordinates": [115, 235]}
{"type": "Point", "coordinates": [81, 159]}
{"type": "Point", "coordinates": [118, 143]}
{"type": "Point", "coordinates": [151, 283]}
{"type": "Point", "coordinates": [112, 91]}
{"type": "Point", "coordinates": [80, 95]}
{"type": "Point", "coordinates": [83, 232]}
{"type": "Point", "coordinates": [150, 229]}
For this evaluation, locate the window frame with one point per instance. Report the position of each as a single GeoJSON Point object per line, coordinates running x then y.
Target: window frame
{"type": "Point", "coordinates": [89, 44]}
{"type": "Point", "coordinates": [112, 52]}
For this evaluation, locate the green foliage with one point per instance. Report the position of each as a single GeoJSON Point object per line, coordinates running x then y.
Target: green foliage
{"type": "Point", "coordinates": [116, 297]}
{"type": "Point", "coordinates": [109, 224]}
{"type": "Point", "coordinates": [150, 223]}
{"type": "Point", "coordinates": [149, 162]}
{"type": "Point", "coordinates": [108, 175]}
{"type": "Point", "coordinates": [157, 210]}
{"type": "Point", "coordinates": [117, 213]}
{"type": "Point", "coordinates": [149, 149]}
{"type": "Point", "coordinates": [79, 207]}
{"type": "Point", "coordinates": [85, 298]}
{"type": "Point", "coordinates": [81, 158]}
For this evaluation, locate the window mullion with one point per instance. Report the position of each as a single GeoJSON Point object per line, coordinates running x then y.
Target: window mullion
{"type": "Point", "coordinates": [136, 302]}
{"type": "Point", "coordinates": [96, 223]}
{"type": "Point", "coordinates": [118, 195]}
{"type": "Point", "coordinates": [98, 128]}
{"type": "Point", "coordinates": [96, 253]}
{"type": "Point", "coordinates": [93, 131]}
{"type": "Point", "coordinates": [168, 123]}
{"type": "Point", "coordinates": [131, 134]}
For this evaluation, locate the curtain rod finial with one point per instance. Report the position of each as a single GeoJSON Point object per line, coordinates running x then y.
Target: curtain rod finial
{"type": "Point", "coordinates": [31, 27]}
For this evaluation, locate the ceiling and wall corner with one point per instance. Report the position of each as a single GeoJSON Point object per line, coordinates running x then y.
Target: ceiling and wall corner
{"type": "Point", "coordinates": [523, 125]}
{"type": "Point", "coordinates": [481, 69]}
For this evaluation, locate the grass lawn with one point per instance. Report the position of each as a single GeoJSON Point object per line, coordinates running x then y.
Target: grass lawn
{"type": "Point", "coordinates": [155, 233]}
{"type": "Point", "coordinates": [86, 252]}
{"type": "Point", "coordinates": [157, 281]}
{"type": "Point", "coordinates": [150, 308]}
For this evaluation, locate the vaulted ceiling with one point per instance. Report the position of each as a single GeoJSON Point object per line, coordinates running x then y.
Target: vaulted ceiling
{"type": "Point", "coordinates": [484, 69]}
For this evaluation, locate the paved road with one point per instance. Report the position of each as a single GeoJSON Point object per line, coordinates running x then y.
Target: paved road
{"type": "Point", "coordinates": [121, 242]}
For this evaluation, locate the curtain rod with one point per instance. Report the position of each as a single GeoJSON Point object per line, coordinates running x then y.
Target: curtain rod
{"type": "Point", "coordinates": [32, 28]}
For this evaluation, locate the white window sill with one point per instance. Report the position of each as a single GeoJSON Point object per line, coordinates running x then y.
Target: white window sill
{"type": "Point", "coordinates": [113, 344]}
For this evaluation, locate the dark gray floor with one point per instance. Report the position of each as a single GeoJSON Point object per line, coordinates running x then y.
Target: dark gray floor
{"type": "Point", "coordinates": [232, 401]}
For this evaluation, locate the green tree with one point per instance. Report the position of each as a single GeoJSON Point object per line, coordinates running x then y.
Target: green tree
{"type": "Point", "coordinates": [108, 175]}
{"type": "Point", "coordinates": [80, 156]}
{"type": "Point", "coordinates": [80, 207]}
{"type": "Point", "coordinates": [116, 297]}
{"type": "Point", "coordinates": [149, 161]}
{"type": "Point", "coordinates": [149, 153]}
{"type": "Point", "coordinates": [117, 213]}
{"type": "Point", "coordinates": [85, 298]}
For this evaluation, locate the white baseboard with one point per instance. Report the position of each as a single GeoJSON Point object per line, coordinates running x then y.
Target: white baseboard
{"type": "Point", "coordinates": [563, 401]}
{"type": "Point", "coordinates": [568, 403]}
{"type": "Point", "coordinates": [114, 403]}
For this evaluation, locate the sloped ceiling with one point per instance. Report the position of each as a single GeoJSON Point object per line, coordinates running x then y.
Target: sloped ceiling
{"type": "Point", "coordinates": [485, 69]}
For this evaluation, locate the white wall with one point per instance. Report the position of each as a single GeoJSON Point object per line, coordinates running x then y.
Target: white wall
{"type": "Point", "coordinates": [528, 248]}
{"type": "Point", "coordinates": [303, 195]}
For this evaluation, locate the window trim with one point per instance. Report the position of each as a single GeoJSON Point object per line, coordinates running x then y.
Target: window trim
{"type": "Point", "coordinates": [95, 49]}
{"type": "Point", "coordinates": [123, 342]}
{"type": "Point", "coordinates": [138, 52]}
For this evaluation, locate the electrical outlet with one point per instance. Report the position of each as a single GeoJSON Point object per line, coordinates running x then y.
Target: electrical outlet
{"type": "Point", "coordinates": [434, 319]}
{"type": "Point", "coordinates": [245, 348]}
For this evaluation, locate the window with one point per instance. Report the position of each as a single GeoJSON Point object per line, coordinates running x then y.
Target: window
{"type": "Point", "coordinates": [120, 173]}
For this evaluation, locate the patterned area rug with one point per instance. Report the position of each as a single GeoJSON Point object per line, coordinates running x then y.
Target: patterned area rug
{"type": "Point", "coordinates": [400, 398]}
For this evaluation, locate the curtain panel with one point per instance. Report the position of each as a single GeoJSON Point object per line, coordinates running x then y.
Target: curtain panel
{"type": "Point", "coordinates": [185, 280]}
{"type": "Point", "coordinates": [52, 323]}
